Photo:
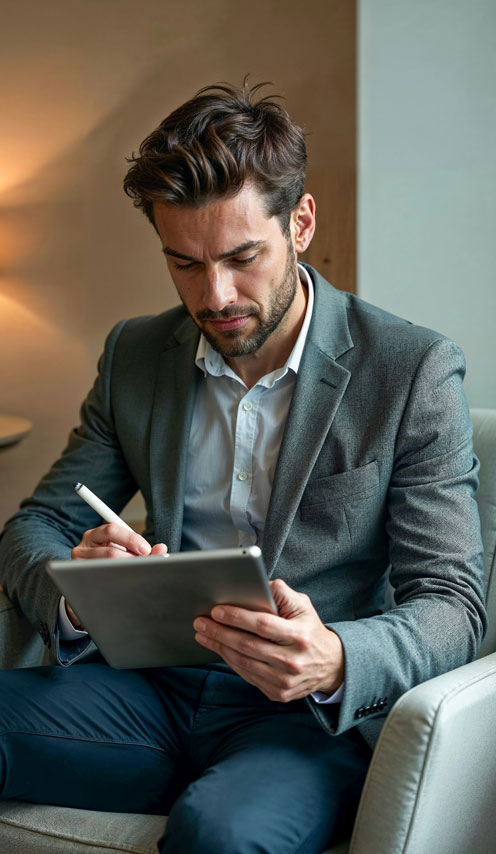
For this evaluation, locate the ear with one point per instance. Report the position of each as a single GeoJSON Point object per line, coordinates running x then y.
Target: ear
{"type": "Point", "coordinates": [303, 223]}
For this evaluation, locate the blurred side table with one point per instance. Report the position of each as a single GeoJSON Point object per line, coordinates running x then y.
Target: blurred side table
{"type": "Point", "coordinates": [13, 428]}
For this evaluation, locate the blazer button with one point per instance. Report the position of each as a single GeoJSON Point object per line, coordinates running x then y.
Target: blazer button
{"type": "Point", "coordinates": [45, 634]}
{"type": "Point", "coordinates": [360, 713]}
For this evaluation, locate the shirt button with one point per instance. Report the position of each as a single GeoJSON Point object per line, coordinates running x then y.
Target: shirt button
{"type": "Point", "coordinates": [247, 406]}
{"type": "Point", "coordinates": [242, 475]}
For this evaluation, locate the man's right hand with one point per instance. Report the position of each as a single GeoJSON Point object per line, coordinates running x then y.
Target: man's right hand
{"type": "Point", "coordinates": [110, 541]}
{"type": "Point", "coordinates": [114, 540]}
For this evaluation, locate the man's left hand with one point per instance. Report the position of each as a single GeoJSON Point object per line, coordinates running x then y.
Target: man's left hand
{"type": "Point", "coordinates": [287, 656]}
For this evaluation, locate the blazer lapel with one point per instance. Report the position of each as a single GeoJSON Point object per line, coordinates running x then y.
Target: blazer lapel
{"type": "Point", "coordinates": [170, 427]}
{"type": "Point", "coordinates": [319, 388]}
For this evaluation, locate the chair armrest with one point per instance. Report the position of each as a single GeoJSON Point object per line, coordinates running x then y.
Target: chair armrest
{"type": "Point", "coordinates": [431, 786]}
{"type": "Point", "coordinates": [20, 644]}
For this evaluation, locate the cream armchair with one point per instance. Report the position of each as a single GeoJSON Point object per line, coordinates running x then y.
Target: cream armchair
{"type": "Point", "coordinates": [431, 787]}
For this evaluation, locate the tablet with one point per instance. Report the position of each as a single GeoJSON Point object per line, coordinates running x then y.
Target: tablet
{"type": "Point", "coordinates": [140, 611]}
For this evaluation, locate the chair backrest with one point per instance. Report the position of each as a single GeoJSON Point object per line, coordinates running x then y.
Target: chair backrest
{"type": "Point", "coordinates": [484, 422]}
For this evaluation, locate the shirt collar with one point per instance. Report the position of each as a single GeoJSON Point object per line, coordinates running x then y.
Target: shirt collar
{"type": "Point", "coordinates": [211, 362]}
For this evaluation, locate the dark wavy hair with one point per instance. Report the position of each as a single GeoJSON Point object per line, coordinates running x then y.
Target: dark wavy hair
{"type": "Point", "coordinates": [214, 144]}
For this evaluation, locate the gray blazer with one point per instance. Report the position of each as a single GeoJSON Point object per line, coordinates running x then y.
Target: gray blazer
{"type": "Point", "coordinates": [375, 483]}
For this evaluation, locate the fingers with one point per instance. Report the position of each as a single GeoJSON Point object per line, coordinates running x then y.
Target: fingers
{"type": "Point", "coordinates": [276, 628]}
{"type": "Point", "coordinates": [280, 681]}
{"type": "Point", "coordinates": [99, 553]}
{"type": "Point", "coordinates": [117, 534]}
{"type": "Point", "coordinates": [247, 645]}
{"type": "Point", "coordinates": [159, 549]}
{"type": "Point", "coordinates": [114, 541]}
{"type": "Point", "coordinates": [280, 688]}
{"type": "Point", "coordinates": [268, 626]}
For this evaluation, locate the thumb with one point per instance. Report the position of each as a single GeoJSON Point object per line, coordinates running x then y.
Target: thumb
{"type": "Point", "coordinates": [289, 602]}
{"type": "Point", "coordinates": [159, 549]}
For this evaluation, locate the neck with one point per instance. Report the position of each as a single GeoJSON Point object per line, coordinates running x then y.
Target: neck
{"type": "Point", "coordinates": [277, 349]}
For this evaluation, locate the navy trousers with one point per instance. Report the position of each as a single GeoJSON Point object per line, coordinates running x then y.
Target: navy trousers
{"type": "Point", "coordinates": [235, 772]}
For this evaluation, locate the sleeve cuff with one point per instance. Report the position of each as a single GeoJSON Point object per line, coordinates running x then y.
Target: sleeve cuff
{"type": "Point", "coordinates": [66, 629]}
{"type": "Point", "coordinates": [323, 699]}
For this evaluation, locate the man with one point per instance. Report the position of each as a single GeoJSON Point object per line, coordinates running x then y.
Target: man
{"type": "Point", "coordinates": [268, 408]}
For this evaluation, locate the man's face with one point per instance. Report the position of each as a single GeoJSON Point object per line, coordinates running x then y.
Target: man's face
{"type": "Point", "coordinates": [234, 269]}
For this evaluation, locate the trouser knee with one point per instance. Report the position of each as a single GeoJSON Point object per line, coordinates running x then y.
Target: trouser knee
{"type": "Point", "coordinates": [196, 828]}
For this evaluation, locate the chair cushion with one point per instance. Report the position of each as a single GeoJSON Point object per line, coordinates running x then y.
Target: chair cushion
{"type": "Point", "coordinates": [30, 829]}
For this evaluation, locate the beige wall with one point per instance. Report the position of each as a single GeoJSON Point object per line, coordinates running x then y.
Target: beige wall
{"type": "Point", "coordinates": [81, 83]}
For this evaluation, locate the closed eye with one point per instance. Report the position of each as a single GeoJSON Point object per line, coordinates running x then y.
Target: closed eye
{"type": "Point", "coordinates": [183, 266]}
{"type": "Point", "coordinates": [244, 260]}
{"type": "Point", "coordinates": [240, 261]}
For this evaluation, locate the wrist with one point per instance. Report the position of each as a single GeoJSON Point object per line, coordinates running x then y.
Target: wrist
{"type": "Point", "coordinates": [334, 676]}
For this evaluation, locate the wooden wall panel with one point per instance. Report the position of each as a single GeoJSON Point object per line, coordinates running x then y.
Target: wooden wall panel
{"type": "Point", "coordinates": [332, 173]}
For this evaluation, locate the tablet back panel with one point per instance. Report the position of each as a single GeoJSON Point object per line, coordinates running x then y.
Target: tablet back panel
{"type": "Point", "coordinates": [140, 611]}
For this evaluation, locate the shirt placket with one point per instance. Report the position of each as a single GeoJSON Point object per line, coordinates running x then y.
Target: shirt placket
{"type": "Point", "coordinates": [242, 476]}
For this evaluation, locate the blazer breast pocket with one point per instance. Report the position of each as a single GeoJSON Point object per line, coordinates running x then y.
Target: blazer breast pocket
{"type": "Point", "coordinates": [325, 495]}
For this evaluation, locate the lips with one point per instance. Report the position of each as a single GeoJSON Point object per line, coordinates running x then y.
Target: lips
{"type": "Point", "coordinates": [230, 323]}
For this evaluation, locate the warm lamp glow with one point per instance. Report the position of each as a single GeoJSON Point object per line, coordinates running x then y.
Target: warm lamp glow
{"type": "Point", "coordinates": [36, 353]}
{"type": "Point", "coordinates": [24, 158]}
{"type": "Point", "coordinates": [15, 317]}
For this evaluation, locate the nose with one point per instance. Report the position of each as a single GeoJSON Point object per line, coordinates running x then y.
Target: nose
{"type": "Point", "coordinates": [220, 290]}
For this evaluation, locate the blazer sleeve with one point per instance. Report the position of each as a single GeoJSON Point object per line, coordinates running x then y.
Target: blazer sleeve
{"type": "Point", "coordinates": [53, 520]}
{"type": "Point", "coordinates": [435, 550]}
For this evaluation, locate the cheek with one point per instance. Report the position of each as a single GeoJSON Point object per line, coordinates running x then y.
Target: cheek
{"type": "Point", "coordinates": [187, 292]}
{"type": "Point", "coordinates": [257, 284]}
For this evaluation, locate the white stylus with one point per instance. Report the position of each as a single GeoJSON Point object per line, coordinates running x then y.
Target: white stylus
{"type": "Point", "coordinates": [98, 505]}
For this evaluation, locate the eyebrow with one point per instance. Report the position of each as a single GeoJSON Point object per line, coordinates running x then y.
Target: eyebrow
{"type": "Point", "coordinates": [243, 247]}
